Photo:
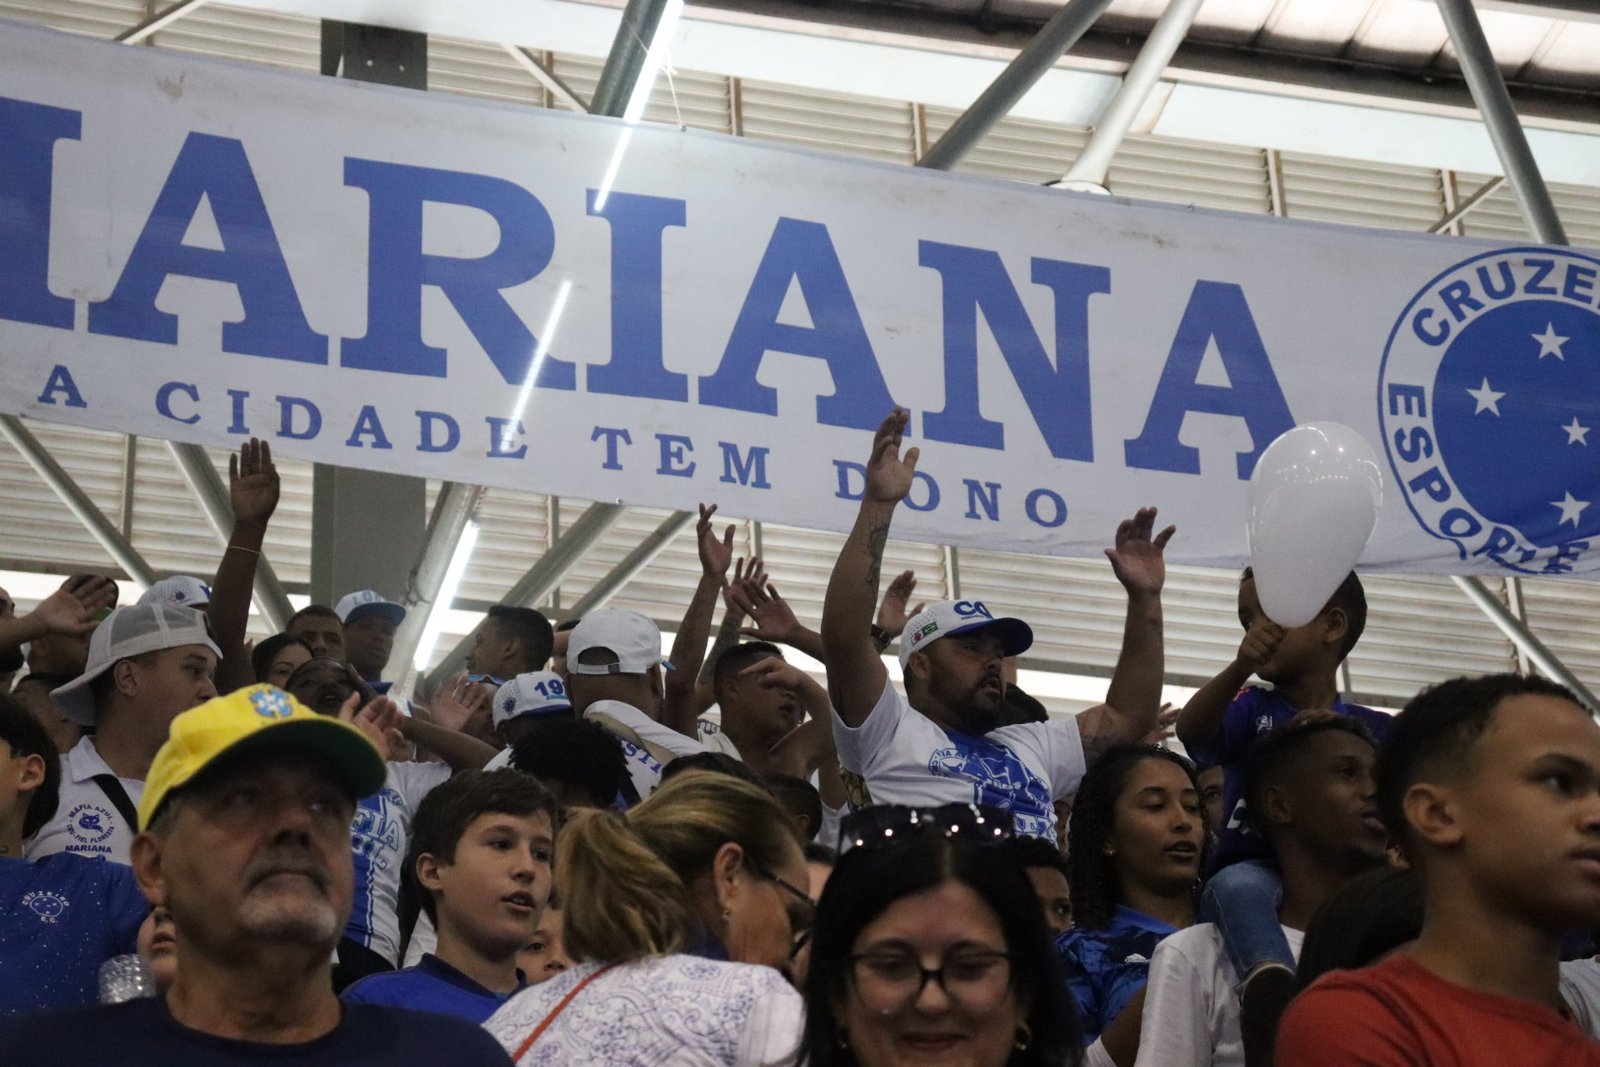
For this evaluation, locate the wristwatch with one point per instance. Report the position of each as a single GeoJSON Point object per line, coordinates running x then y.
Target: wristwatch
{"type": "Point", "coordinates": [881, 637]}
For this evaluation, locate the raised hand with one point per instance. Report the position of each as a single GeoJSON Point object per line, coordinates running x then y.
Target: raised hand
{"type": "Point", "coordinates": [888, 473]}
{"type": "Point", "coordinates": [1166, 723]}
{"type": "Point", "coordinates": [1138, 557]}
{"type": "Point", "coordinates": [774, 673]}
{"type": "Point", "coordinates": [455, 703]}
{"type": "Point", "coordinates": [892, 613]}
{"type": "Point", "coordinates": [379, 720]}
{"type": "Point", "coordinates": [734, 601]}
{"type": "Point", "coordinates": [253, 483]}
{"type": "Point", "coordinates": [771, 616]}
{"type": "Point", "coordinates": [716, 555]}
{"type": "Point", "coordinates": [73, 608]}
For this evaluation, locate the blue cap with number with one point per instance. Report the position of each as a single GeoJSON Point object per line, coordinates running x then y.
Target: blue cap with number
{"type": "Point", "coordinates": [534, 693]}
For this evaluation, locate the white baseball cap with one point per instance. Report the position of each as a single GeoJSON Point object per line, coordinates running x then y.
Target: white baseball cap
{"type": "Point", "coordinates": [181, 589]}
{"type": "Point", "coordinates": [634, 639]}
{"type": "Point", "coordinates": [949, 617]}
{"type": "Point", "coordinates": [352, 606]}
{"type": "Point", "coordinates": [534, 693]}
{"type": "Point", "coordinates": [126, 632]}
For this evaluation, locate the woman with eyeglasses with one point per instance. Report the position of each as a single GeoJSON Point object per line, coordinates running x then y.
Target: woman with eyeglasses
{"type": "Point", "coordinates": [1135, 848]}
{"type": "Point", "coordinates": [682, 917]}
{"type": "Point", "coordinates": [929, 949]}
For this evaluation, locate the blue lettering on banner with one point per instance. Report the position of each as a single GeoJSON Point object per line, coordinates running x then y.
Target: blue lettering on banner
{"type": "Point", "coordinates": [612, 434]}
{"type": "Point", "coordinates": [1216, 311]}
{"type": "Point", "coordinates": [501, 433]}
{"type": "Point", "coordinates": [60, 381]}
{"type": "Point", "coordinates": [238, 396]}
{"type": "Point", "coordinates": [636, 367]}
{"type": "Point", "coordinates": [287, 406]}
{"type": "Point", "coordinates": [849, 471]}
{"type": "Point", "coordinates": [452, 429]}
{"type": "Point", "coordinates": [801, 253]}
{"type": "Point", "coordinates": [985, 495]}
{"type": "Point", "coordinates": [368, 425]}
{"type": "Point", "coordinates": [216, 171]}
{"type": "Point", "coordinates": [931, 500]}
{"type": "Point", "coordinates": [674, 451]}
{"type": "Point", "coordinates": [164, 401]}
{"type": "Point", "coordinates": [398, 269]}
{"type": "Point", "coordinates": [1485, 400]}
{"type": "Point", "coordinates": [28, 136]}
{"type": "Point", "coordinates": [974, 280]}
{"type": "Point", "coordinates": [747, 469]}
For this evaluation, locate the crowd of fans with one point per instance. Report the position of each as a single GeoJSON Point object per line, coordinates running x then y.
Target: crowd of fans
{"type": "Point", "coordinates": [218, 853]}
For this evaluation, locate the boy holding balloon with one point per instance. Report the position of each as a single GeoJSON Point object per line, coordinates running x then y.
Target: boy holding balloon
{"type": "Point", "coordinates": [1220, 724]}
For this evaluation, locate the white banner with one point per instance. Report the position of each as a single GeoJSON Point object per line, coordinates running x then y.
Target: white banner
{"type": "Point", "coordinates": [485, 293]}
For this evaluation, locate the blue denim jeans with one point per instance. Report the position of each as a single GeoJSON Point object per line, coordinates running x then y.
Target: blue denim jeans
{"type": "Point", "coordinates": [1242, 900]}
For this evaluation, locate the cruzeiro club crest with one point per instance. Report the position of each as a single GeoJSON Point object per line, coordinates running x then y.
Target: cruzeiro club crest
{"type": "Point", "coordinates": [1489, 399]}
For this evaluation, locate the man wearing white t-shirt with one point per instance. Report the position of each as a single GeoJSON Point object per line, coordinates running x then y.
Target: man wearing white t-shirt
{"type": "Point", "coordinates": [615, 665]}
{"type": "Point", "coordinates": [943, 741]}
{"type": "Point", "coordinates": [1314, 799]}
{"type": "Point", "coordinates": [148, 663]}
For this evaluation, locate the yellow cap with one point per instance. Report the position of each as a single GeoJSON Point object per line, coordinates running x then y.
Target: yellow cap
{"type": "Point", "coordinates": [259, 718]}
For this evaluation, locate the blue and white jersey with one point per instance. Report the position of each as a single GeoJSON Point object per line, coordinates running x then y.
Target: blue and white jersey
{"type": "Point", "coordinates": [60, 918]}
{"type": "Point", "coordinates": [379, 837]}
{"type": "Point", "coordinates": [904, 757]}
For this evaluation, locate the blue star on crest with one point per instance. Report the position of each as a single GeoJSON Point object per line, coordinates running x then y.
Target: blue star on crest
{"type": "Point", "coordinates": [271, 703]}
{"type": "Point", "coordinates": [1513, 423]}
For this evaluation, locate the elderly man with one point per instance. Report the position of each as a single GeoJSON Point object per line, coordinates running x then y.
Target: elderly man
{"type": "Point", "coordinates": [245, 824]}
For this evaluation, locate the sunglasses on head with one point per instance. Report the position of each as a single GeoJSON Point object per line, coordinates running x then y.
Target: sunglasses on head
{"type": "Point", "coordinates": [886, 825]}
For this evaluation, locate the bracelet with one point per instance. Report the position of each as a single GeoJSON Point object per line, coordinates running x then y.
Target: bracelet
{"type": "Point", "coordinates": [241, 548]}
{"type": "Point", "coordinates": [881, 637]}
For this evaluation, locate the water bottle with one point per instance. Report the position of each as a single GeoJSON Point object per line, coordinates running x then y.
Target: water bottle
{"type": "Point", "coordinates": [126, 978]}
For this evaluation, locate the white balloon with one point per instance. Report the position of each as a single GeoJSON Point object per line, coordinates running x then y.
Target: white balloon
{"type": "Point", "coordinates": [1314, 500]}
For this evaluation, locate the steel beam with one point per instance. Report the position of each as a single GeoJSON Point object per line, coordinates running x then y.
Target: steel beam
{"type": "Point", "coordinates": [1505, 130]}
{"type": "Point", "coordinates": [626, 60]}
{"type": "Point", "coordinates": [1524, 639]}
{"type": "Point", "coordinates": [452, 510]}
{"type": "Point", "coordinates": [1029, 65]}
{"type": "Point", "coordinates": [76, 500]}
{"type": "Point", "coordinates": [625, 571]}
{"type": "Point", "coordinates": [206, 485]}
{"type": "Point", "coordinates": [546, 574]}
{"type": "Point", "coordinates": [1460, 211]}
{"type": "Point", "coordinates": [159, 21]}
{"type": "Point", "coordinates": [1094, 162]}
{"type": "Point", "coordinates": [546, 77]}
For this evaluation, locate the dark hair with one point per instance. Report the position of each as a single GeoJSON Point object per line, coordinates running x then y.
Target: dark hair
{"type": "Point", "coordinates": [1034, 852]}
{"type": "Point", "coordinates": [321, 611]}
{"type": "Point", "coordinates": [576, 753]}
{"type": "Point", "coordinates": [715, 763]}
{"type": "Point", "coordinates": [262, 655]}
{"type": "Point", "coordinates": [450, 807]}
{"type": "Point", "coordinates": [737, 658]}
{"type": "Point", "coordinates": [1351, 598]}
{"type": "Point", "coordinates": [1091, 871]}
{"type": "Point", "coordinates": [568, 624]}
{"type": "Point", "coordinates": [530, 630]}
{"type": "Point", "coordinates": [1270, 759]}
{"type": "Point", "coordinates": [27, 736]}
{"type": "Point", "coordinates": [817, 852]}
{"type": "Point", "coordinates": [798, 797]}
{"type": "Point", "coordinates": [867, 881]}
{"type": "Point", "coordinates": [1437, 730]}
{"type": "Point", "coordinates": [1367, 917]}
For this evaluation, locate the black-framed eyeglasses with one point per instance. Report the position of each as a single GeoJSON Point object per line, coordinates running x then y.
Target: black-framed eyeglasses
{"type": "Point", "coordinates": [886, 825]}
{"type": "Point", "coordinates": [799, 924]}
{"type": "Point", "coordinates": [890, 980]}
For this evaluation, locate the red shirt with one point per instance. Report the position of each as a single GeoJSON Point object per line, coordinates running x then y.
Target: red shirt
{"type": "Point", "coordinates": [1399, 1014]}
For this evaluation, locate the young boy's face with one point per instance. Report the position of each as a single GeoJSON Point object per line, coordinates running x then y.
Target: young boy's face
{"type": "Point", "coordinates": [495, 892]}
{"type": "Point", "coordinates": [546, 955]}
{"type": "Point", "coordinates": [1527, 812]}
{"type": "Point", "coordinates": [1301, 648]}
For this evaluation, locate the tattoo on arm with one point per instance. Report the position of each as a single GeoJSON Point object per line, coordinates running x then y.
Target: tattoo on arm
{"type": "Point", "coordinates": [877, 539]}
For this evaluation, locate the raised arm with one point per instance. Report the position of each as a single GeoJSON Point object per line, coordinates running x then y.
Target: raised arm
{"type": "Point", "coordinates": [1200, 722]}
{"type": "Point", "coordinates": [680, 708]}
{"type": "Point", "coordinates": [733, 616]}
{"type": "Point", "coordinates": [856, 675]}
{"type": "Point", "coordinates": [253, 490]}
{"type": "Point", "coordinates": [71, 609]}
{"type": "Point", "coordinates": [772, 618]}
{"type": "Point", "coordinates": [1133, 700]}
{"type": "Point", "coordinates": [384, 717]}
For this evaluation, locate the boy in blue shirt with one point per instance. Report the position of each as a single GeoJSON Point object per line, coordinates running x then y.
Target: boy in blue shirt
{"type": "Point", "coordinates": [1220, 725]}
{"type": "Point", "coordinates": [63, 915]}
{"type": "Point", "coordinates": [480, 865]}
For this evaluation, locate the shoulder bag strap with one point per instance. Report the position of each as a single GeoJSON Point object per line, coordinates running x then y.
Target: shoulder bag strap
{"type": "Point", "coordinates": [112, 788]}
{"type": "Point", "coordinates": [557, 1010]}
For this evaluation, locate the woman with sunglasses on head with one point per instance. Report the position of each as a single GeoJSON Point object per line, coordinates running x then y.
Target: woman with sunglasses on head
{"type": "Point", "coordinates": [682, 917]}
{"type": "Point", "coordinates": [930, 949]}
{"type": "Point", "coordinates": [1135, 848]}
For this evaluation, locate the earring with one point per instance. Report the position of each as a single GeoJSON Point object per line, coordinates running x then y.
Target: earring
{"type": "Point", "coordinates": [727, 915]}
{"type": "Point", "coordinates": [1023, 1039]}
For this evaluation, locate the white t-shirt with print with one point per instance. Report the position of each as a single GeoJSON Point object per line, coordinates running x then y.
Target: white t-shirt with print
{"type": "Point", "coordinates": [904, 757]}
{"type": "Point", "coordinates": [1191, 1008]}
{"type": "Point", "coordinates": [644, 768]}
{"type": "Point", "coordinates": [86, 822]}
{"type": "Point", "coordinates": [1580, 988]}
{"type": "Point", "coordinates": [379, 837]}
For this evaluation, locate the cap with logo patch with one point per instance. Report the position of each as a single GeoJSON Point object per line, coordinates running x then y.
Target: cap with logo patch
{"type": "Point", "coordinates": [950, 617]}
{"type": "Point", "coordinates": [534, 693]}
{"type": "Point", "coordinates": [254, 720]}
{"type": "Point", "coordinates": [181, 589]}
{"type": "Point", "coordinates": [352, 606]}
{"type": "Point", "coordinates": [127, 632]}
